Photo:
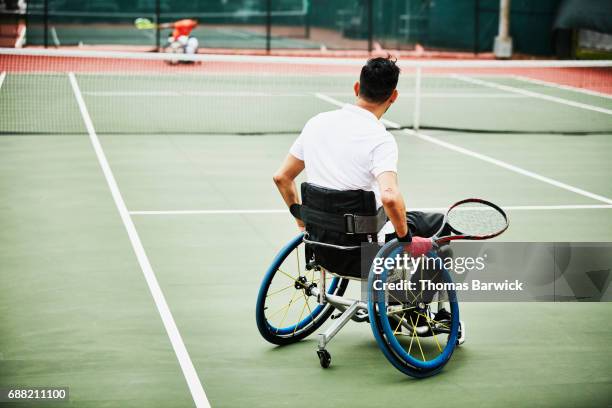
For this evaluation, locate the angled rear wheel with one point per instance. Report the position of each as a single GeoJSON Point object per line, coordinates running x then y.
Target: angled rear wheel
{"type": "Point", "coordinates": [416, 331]}
{"type": "Point", "coordinates": [286, 310]}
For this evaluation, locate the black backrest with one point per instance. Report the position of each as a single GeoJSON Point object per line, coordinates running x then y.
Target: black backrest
{"type": "Point", "coordinates": [337, 201]}
{"type": "Point", "coordinates": [342, 262]}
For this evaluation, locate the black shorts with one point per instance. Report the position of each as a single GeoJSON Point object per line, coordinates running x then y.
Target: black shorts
{"type": "Point", "coordinates": [423, 225]}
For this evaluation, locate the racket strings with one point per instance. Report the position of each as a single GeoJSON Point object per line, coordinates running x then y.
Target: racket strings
{"type": "Point", "coordinates": [476, 219]}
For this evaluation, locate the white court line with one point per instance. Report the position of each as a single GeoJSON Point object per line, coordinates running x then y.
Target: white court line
{"type": "Point", "coordinates": [532, 94]}
{"type": "Point", "coordinates": [329, 99]}
{"type": "Point", "coordinates": [509, 166]}
{"type": "Point", "coordinates": [207, 212]}
{"type": "Point", "coordinates": [483, 157]}
{"type": "Point", "coordinates": [195, 386]}
{"type": "Point", "coordinates": [560, 86]}
{"type": "Point", "coordinates": [286, 211]}
{"type": "Point", "coordinates": [2, 76]}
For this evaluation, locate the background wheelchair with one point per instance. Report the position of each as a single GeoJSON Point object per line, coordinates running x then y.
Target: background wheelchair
{"type": "Point", "coordinates": [416, 330]}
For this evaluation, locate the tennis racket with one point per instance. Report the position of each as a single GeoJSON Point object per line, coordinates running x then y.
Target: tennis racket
{"type": "Point", "coordinates": [472, 219]}
{"type": "Point", "coordinates": [144, 24]}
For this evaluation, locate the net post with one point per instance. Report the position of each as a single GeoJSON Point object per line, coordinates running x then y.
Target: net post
{"type": "Point", "coordinates": [370, 12]}
{"type": "Point", "coordinates": [46, 23]}
{"type": "Point", "coordinates": [268, 26]}
{"type": "Point", "coordinates": [416, 120]}
{"type": "Point", "coordinates": [157, 23]}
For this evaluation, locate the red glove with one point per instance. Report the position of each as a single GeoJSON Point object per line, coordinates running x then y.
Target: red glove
{"type": "Point", "coordinates": [418, 246]}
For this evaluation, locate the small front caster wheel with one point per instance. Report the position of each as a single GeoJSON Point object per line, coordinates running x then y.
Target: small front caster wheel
{"type": "Point", "coordinates": [324, 358]}
{"type": "Point", "coordinates": [461, 335]}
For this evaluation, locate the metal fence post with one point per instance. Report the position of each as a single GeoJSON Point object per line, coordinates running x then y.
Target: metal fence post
{"type": "Point", "coordinates": [476, 26]}
{"type": "Point", "coordinates": [307, 20]}
{"type": "Point", "coordinates": [370, 25]}
{"type": "Point", "coordinates": [46, 23]}
{"type": "Point", "coordinates": [268, 25]}
{"type": "Point", "coordinates": [416, 119]}
{"type": "Point", "coordinates": [157, 23]}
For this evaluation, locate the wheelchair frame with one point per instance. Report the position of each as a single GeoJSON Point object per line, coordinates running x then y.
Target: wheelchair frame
{"type": "Point", "coordinates": [351, 309]}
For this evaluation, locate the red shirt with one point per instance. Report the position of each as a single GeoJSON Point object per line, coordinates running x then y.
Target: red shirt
{"type": "Point", "coordinates": [183, 27]}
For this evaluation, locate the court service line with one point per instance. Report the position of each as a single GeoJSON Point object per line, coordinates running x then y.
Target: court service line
{"type": "Point", "coordinates": [208, 212]}
{"type": "Point", "coordinates": [286, 211]}
{"type": "Point", "coordinates": [195, 386]}
{"type": "Point", "coordinates": [509, 166]}
{"type": "Point", "coordinates": [2, 76]}
{"type": "Point", "coordinates": [485, 158]}
{"type": "Point", "coordinates": [561, 86]}
{"type": "Point", "coordinates": [531, 94]}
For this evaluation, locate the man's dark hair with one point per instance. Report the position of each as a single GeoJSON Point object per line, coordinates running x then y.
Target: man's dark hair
{"type": "Point", "coordinates": [378, 79]}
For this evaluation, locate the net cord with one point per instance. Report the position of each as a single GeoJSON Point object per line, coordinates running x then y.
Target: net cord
{"type": "Point", "coordinates": [305, 60]}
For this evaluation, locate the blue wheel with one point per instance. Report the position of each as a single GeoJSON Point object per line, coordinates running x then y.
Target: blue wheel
{"type": "Point", "coordinates": [286, 311]}
{"type": "Point", "coordinates": [416, 330]}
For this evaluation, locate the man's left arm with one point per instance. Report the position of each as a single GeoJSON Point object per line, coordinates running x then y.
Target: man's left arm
{"type": "Point", "coordinates": [284, 178]}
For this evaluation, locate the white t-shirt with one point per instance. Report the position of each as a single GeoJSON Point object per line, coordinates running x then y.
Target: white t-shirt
{"type": "Point", "coordinates": [346, 149]}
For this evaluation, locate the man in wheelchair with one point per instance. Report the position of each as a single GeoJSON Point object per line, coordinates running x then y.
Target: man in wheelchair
{"type": "Point", "coordinates": [352, 194]}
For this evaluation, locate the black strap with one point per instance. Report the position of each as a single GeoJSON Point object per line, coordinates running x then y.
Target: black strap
{"type": "Point", "coordinates": [295, 210]}
{"type": "Point", "coordinates": [346, 223]}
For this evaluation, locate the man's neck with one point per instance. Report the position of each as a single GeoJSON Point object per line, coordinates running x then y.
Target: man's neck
{"type": "Point", "coordinates": [377, 109]}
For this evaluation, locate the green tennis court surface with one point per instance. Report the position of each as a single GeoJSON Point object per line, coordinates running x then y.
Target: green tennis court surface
{"type": "Point", "coordinates": [78, 311]}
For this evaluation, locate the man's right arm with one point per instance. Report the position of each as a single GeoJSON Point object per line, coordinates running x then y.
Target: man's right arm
{"type": "Point", "coordinates": [393, 202]}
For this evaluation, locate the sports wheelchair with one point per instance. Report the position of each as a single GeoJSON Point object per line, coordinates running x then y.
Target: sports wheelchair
{"type": "Point", "coordinates": [304, 286]}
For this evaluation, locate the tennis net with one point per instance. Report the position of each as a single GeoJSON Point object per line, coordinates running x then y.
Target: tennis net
{"type": "Point", "coordinates": [150, 93]}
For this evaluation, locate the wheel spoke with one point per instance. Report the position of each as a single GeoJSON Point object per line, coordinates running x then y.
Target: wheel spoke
{"type": "Point", "coordinates": [396, 299]}
{"type": "Point", "coordinates": [420, 294]}
{"type": "Point", "coordinates": [307, 298]}
{"type": "Point", "coordinates": [434, 335]}
{"type": "Point", "coordinates": [417, 338]}
{"type": "Point", "coordinates": [278, 311]}
{"type": "Point", "coordinates": [399, 324]}
{"type": "Point", "coordinates": [400, 310]}
{"type": "Point", "coordinates": [279, 290]}
{"type": "Point", "coordinates": [435, 321]}
{"type": "Point", "coordinates": [301, 314]}
{"type": "Point", "coordinates": [288, 306]}
{"type": "Point", "coordinates": [412, 337]}
{"type": "Point", "coordinates": [407, 315]}
{"type": "Point", "coordinates": [285, 273]}
{"type": "Point", "coordinates": [287, 310]}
